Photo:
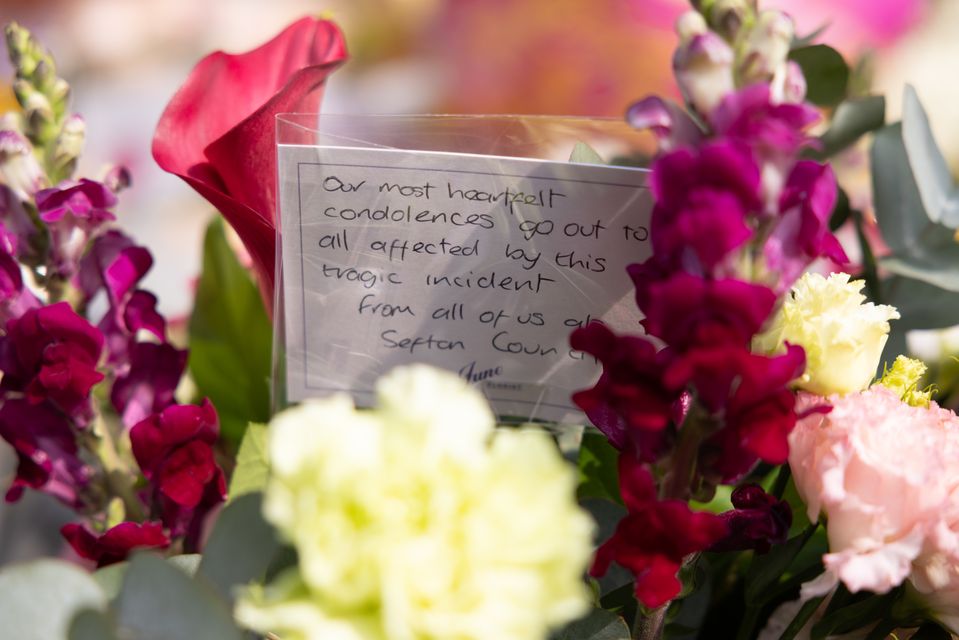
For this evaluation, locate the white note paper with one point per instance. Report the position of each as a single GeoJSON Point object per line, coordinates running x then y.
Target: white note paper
{"type": "Point", "coordinates": [479, 265]}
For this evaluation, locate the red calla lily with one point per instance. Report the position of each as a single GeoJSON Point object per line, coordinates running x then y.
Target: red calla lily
{"type": "Point", "coordinates": [218, 131]}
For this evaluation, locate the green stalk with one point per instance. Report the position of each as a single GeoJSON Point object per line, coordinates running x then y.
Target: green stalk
{"type": "Point", "coordinates": [120, 479]}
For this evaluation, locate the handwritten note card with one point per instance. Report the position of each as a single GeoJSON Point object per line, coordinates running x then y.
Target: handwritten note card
{"type": "Point", "coordinates": [479, 265]}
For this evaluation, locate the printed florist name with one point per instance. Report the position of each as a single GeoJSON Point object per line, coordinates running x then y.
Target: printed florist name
{"type": "Point", "coordinates": [480, 265]}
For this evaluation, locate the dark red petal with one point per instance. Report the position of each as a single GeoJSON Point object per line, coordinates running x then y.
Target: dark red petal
{"type": "Point", "coordinates": [186, 472]}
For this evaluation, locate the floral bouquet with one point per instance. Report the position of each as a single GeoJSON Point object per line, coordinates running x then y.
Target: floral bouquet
{"type": "Point", "coordinates": [761, 459]}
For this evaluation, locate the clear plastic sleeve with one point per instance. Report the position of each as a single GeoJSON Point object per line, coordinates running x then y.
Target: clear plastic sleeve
{"type": "Point", "coordinates": [467, 242]}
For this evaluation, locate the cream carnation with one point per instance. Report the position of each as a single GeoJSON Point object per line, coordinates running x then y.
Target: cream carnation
{"type": "Point", "coordinates": [417, 520]}
{"type": "Point", "coordinates": [886, 475]}
{"type": "Point", "coordinates": [842, 334]}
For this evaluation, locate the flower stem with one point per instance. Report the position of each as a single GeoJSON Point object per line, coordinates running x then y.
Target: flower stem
{"type": "Point", "coordinates": [650, 627]}
{"type": "Point", "coordinates": [676, 484]}
{"type": "Point", "coordinates": [119, 477]}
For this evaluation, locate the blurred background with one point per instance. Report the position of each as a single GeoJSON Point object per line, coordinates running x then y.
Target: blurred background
{"type": "Point", "coordinates": [125, 59]}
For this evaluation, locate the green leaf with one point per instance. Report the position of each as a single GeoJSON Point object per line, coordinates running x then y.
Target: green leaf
{"type": "Point", "coordinates": [110, 578]}
{"type": "Point", "coordinates": [922, 249]}
{"type": "Point", "coordinates": [827, 74]}
{"type": "Point", "coordinates": [160, 602]}
{"type": "Point", "coordinates": [932, 176]}
{"type": "Point", "coordinates": [764, 572]}
{"type": "Point", "coordinates": [598, 624]}
{"type": "Point", "coordinates": [622, 601]}
{"type": "Point", "coordinates": [853, 616]}
{"type": "Point", "coordinates": [252, 462]}
{"type": "Point", "coordinates": [598, 468]}
{"type": "Point", "coordinates": [585, 154]}
{"type": "Point", "coordinates": [921, 305]}
{"type": "Point", "coordinates": [39, 599]}
{"type": "Point", "coordinates": [802, 617]}
{"type": "Point", "coordinates": [806, 40]}
{"type": "Point", "coordinates": [841, 212]}
{"type": "Point", "coordinates": [853, 119]}
{"type": "Point", "coordinates": [188, 563]}
{"type": "Point", "coordinates": [241, 546]}
{"type": "Point", "coordinates": [92, 625]}
{"type": "Point", "coordinates": [230, 339]}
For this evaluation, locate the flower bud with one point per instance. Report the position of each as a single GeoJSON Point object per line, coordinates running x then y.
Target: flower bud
{"type": "Point", "coordinates": [765, 48]}
{"type": "Point", "coordinates": [37, 112]}
{"type": "Point", "coordinates": [689, 25]}
{"type": "Point", "coordinates": [671, 125]}
{"type": "Point", "coordinates": [117, 178]}
{"type": "Point", "coordinates": [793, 84]}
{"type": "Point", "coordinates": [22, 54]}
{"type": "Point", "coordinates": [19, 168]}
{"type": "Point", "coordinates": [41, 93]}
{"type": "Point", "coordinates": [729, 16]}
{"type": "Point", "coordinates": [703, 64]}
{"type": "Point", "coordinates": [67, 148]}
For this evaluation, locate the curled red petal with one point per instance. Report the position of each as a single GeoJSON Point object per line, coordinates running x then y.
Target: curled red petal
{"type": "Point", "coordinates": [218, 131]}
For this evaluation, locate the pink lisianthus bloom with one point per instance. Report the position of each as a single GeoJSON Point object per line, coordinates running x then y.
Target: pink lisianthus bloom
{"type": "Point", "coordinates": [217, 133]}
{"type": "Point", "coordinates": [886, 475]}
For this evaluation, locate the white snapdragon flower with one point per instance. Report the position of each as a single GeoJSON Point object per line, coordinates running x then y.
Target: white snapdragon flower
{"type": "Point", "coordinates": [703, 63]}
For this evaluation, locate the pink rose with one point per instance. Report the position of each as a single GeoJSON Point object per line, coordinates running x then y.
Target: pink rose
{"type": "Point", "coordinates": [218, 131]}
{"type": "Point", "coordinates": [886, 475]}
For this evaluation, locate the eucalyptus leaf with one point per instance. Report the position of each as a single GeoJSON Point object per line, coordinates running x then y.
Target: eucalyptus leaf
{"type": "Point", "coordinates": [110, 578]}
{"type": "Point", "coordinates": [160, 602]}
{"type": "Point", "coordinates": [241, 546]}
{"type": "Point", "coordinates": [921, 305]}
{"type": "Point", "coordinates": [188, 563]}
{"type": "Point", "coordinates": [922, 249]}
{"type": "Point", "coordinates": [598, 468]}
{"type": "Point", "coordinates": [39, 599]}
{"type": "Point", "coordinates": [91, 625]}
{"type": "Point", "coordinates": [939, 195]}
{"type": "Point", "coordinates": [852, 119]}
{"type": "Point", "coordinates": [598, 624]}
{"type": "Point", "coordinates": [585, 154]}
{"type": "Point", "coordinates": [252, 462]}
{"type": "Point", "coordinates": [827, 74]}
{"type": "Point", "coordinates": [899, 210]}
{"type": "Point", "coordinates": [230, 338]}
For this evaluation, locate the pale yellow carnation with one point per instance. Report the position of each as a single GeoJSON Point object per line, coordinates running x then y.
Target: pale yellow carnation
{"type": "Point", "coordinates": [419, 521]}
{"type": "Point", "coordinates": [842, 334]}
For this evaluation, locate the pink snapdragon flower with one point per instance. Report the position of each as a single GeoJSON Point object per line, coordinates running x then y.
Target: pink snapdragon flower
{"type": "Point", "coordinates": [886, 475]}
